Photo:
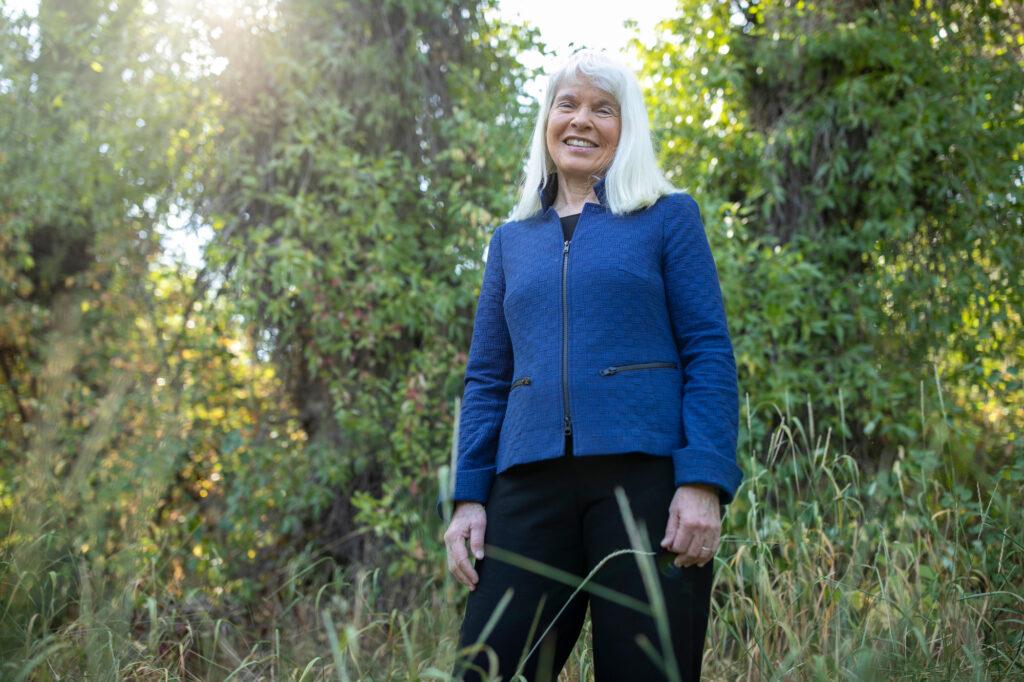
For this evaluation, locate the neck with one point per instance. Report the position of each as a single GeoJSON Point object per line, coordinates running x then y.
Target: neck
{"type": "Point", "coordinates": [573, 192]}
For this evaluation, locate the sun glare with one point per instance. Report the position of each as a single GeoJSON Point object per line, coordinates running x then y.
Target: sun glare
{"type": "Point", "coordinates": [228, 9]}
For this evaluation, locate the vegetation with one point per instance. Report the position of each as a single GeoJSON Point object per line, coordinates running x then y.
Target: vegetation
{"type": "Point", "coordinates": [225, 467]}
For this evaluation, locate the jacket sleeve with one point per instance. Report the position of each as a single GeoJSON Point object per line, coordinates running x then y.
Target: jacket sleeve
{"type": "Point", "coordinates": [710, 392]}
{"type": "Point", "coordinates": [486, 386]}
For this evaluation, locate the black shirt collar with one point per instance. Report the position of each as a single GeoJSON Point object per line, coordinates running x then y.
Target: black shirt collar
{"type": "Point", "coordinates": [548, 191]}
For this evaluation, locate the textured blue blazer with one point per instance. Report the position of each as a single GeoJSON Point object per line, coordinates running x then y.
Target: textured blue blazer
{"type": "Point", "coordinates": [617, 337]}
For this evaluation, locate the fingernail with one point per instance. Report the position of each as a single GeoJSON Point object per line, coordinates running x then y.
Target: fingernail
{"type": "Point", "coordinates": [479, 554]}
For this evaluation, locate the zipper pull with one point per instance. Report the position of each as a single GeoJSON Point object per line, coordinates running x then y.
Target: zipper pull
{"type": "Point", "coordinates": [565, 249]}
{"type": "Point", "coordinates": [609, 370]}
{"type": "Point", "coordinates": [568, 427]}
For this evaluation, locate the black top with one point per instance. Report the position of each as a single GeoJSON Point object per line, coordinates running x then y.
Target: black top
{"type": "Point", "coordinates": [569, 224]}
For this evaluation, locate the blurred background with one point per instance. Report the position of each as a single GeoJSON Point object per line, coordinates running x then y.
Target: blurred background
{"type": "Point", "coordinates": [241, 243]}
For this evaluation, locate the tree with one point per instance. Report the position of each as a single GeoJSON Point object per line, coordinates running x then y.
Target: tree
{"type": "Point", "coordinates": [864, 161]}
{"type": "Point", "coordinates": [365, 151]}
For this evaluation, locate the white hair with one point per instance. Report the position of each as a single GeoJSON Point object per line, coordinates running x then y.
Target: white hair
{"type": "Point", "coordinates": [633, 180]}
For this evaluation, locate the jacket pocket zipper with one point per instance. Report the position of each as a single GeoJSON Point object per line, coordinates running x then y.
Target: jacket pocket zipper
{"type": "Point", "coordinates": [614, 369]}
{"type": "Point", "coordinates": [520, 382]}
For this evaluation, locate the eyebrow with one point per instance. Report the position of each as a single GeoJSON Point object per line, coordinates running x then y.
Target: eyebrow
{"type": "Point", "coordinates": [572, 96]}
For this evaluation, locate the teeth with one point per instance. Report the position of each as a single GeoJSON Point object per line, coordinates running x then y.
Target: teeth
{"type": "Point", "coordinates": [579, 143]}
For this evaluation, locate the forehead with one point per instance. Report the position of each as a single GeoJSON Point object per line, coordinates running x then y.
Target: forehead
{"type": "Point", "coordinates": [583, 90]}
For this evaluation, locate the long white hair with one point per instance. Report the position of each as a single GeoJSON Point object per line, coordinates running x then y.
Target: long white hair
{"type": "Point", "coordinates": [633, 180]}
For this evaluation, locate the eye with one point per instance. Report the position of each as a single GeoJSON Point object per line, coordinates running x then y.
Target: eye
{"type": "Point", "coordinates": [564, 105]}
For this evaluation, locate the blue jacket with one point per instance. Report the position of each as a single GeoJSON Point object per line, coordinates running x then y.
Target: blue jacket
{"type": "Point", "coordinates": [618, 337]}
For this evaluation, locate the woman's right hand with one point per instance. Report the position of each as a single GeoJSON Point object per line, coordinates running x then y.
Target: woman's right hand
{"type": "Point", "coordinates": [469, 520]}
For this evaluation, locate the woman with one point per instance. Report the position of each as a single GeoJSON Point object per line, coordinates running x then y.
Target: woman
{"type": "Point", "coordinates": [600, 358]}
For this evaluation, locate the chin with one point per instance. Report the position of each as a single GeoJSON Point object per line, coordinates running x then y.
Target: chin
{"type": "Point", "coordinates": [573, 169]}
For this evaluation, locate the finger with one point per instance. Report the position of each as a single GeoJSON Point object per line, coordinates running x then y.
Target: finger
{"type": "Point", "coordinates": [704, 536]}
{"type": "Point", "coordinates": [670, 529]}
{"type": "Point", "coordinates": [467, 569]}
{"type": "Point", "coordinates": [476, 539]}
{"type": "Point", "coordinates": [684, 538]}
{"type": "Point", "coordinates": [706, 554]}
{"type": "Point", "coordinates": [450, 540]}
{"type": "Point", "coordinates": [459, 561]}
{"type": "Point", "coordinates": [696, 538]}
{"type": "Point", "coordinates": [459, 571]}
{"type": "Point", "coordinates": [672, 541]}
{"type": "Point", "coordinates": [465, 565]}
{"type": "Point", "coordinates": [453, 567]}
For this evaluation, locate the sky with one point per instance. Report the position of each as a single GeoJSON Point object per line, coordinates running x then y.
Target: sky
{"type": "Point", "coordinates": [567, 25]}
{"type": "Point", "coordinates": [564, 26]}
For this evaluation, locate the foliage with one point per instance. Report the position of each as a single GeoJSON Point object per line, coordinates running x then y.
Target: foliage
{"type": "Point", "coordinates": [860, 167]}
{"type": "Point", "coordinates": [826, 572]}
{"type": "Point", "coordinates": [93, 137]}
{"type": "Point", "coordinates": [227, 469]}
{"type": "Point", "coordinates": [363, 152]}
{"type": "Point", "coordinates": [235, 419]}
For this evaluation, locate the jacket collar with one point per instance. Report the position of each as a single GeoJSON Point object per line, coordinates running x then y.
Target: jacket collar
{"type": "Point", "coordinates": [548, 191]}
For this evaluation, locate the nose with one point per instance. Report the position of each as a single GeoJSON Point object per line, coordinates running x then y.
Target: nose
{"type": "Point", "coordinates": [581, 119]}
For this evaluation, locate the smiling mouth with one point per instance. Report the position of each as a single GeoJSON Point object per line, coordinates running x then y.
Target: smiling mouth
{"type": "Point", "coordinates": [577, 143]}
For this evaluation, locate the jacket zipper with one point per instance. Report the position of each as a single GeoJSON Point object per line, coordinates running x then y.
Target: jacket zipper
{"type": "Point", "coordinates": [565, 340]}
{"type": "Point", "coordinates": [520, 382]}
{"type": "Point", "coordinates": [640, 365]}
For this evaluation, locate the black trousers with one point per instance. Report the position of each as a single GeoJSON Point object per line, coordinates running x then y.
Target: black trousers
{"type": "Point", "coordinates": [563, 513]}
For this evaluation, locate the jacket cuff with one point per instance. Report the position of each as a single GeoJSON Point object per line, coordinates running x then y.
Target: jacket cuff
{"type": "Point", "coordinates": [471, 485]}
{"type": "Point", "coordinates": [705, 466]}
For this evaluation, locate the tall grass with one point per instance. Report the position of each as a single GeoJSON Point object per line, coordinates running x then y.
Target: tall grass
{"type": "Point", "coordinates": [827, 571]}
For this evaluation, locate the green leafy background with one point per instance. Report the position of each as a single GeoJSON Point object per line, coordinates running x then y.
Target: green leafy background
{"type": "Point", "coordinates": [228, 469]}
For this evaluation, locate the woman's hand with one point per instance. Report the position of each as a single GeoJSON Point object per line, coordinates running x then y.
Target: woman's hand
{"type": "Point", "coordinates": [468, 521]}
{"type": "Point", "coordinates": [694, 524]}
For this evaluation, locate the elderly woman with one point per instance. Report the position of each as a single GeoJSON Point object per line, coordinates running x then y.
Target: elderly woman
{"type": "Point", "coordinates": [600, 359]}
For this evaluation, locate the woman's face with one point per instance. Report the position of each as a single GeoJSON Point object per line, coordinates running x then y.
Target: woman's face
{"type": "Point", "coordinates": [583, 130]}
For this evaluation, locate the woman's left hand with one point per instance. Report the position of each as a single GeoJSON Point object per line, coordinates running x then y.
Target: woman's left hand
{"type": "Point", "coordinates": [694, 524]}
